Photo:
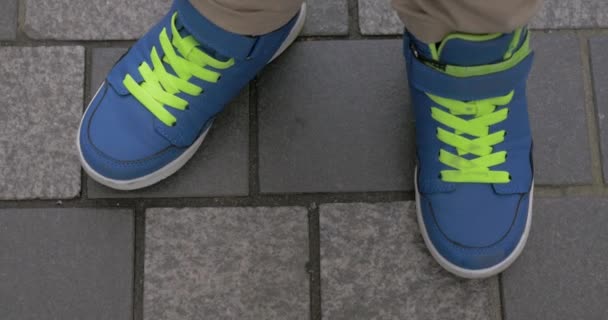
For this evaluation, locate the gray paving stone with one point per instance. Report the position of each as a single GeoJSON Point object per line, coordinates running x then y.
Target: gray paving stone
{"type": "Point", "coordinates": [91, 20]}
{"type": "Point", "coordinates": [562, 272]}
{"type": "Point", "coordinates": [66, 264]}
{"type": "Point", "coordinates": [599, 69]}
{"type": "Point", "coordinates": [40, 108]}
{"type": "Point", "coordinates": [221, 163]}
{"type": "Point", "coordinates": [129, 20]}
{"type": "Point", "coordinates": [226, 263]}
{"type": "Point", "coordinates": [326, 17]}
{"type": "Point", "coordinates": [557, 111]}
{"type": "Point", "coordinates": [571, 14]}
{"type": "Point", "coordinates": [374, 265]}
{"type": "Point", "coordinates": [8, 20]}
{"type": "Point", "coordinates": [329, 120]}
{"type": "Point", "coordinates": [378, 17]}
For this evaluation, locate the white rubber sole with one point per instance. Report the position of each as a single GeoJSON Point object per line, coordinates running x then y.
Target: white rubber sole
{"type": "Point", "coordinates": [470, 273]}
{"type": "Point", "coordinates": [179, 162]}
{"type": "Point", "coordinates": [291, 37]}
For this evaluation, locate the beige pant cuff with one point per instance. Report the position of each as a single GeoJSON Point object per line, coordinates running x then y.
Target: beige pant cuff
{"type": "Point", "coordinates": [251, 20]}
{"type": "Point", "coordinates": [432, 21]}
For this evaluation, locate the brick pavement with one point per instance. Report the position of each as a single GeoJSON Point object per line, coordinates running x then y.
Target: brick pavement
{"type": "Point", "coordinates": [306, 210]}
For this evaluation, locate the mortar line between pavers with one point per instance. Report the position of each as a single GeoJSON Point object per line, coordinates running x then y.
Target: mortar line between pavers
{"type": "Point", "coordinates": [314, 261]}
{"type": "Point", "coordinates": [501, 292]}
{"type": "Point", "coordinates": [594, 104]}
{"type": "Point", "coordinates": [85, 101]}
{"type": "Point", "coordinates": [281, 200]}
{"type": "Point", "coordinates": [23, 41]}
{"type": "Point", "coordinates": [591, 119]}
{"type": "Point", "coordinates": [261, 200]}
{"type": "Point", "coordinates": [19, 34]}
{"type": "Point", "coordinates": [139, 255]}
{"type": "Point", "coordinates": [273, 200]}
{"type": "Point", "coordinates": [354, 30]}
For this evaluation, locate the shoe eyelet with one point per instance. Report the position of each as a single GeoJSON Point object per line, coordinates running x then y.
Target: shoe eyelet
{"type": "Point", "coordinates": [174, 124]}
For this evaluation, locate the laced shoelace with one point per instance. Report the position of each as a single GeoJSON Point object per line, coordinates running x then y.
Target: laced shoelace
{"type": "Point", "coordinates": [483, 114]}
{"type": "Point", "coordinates": [159, 88]}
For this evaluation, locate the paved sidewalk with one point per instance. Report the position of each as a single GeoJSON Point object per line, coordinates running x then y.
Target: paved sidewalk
{"type": "Point", "coordinates": [300, 203]}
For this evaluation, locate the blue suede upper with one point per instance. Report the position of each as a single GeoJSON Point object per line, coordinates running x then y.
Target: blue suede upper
{"type": "Point", "coordinates": [472, 225]}
{"type": "Point", "coordinates": [120, 139]}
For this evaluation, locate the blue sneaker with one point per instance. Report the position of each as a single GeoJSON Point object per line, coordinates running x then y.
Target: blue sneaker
{"type": "Point", "coordinates": [157, 104]}
{"type": "Point", "coordinates": [474, 176]}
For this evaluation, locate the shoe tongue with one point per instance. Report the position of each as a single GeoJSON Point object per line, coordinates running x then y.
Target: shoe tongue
{"type": "Point", "coordinates": [470, 50]}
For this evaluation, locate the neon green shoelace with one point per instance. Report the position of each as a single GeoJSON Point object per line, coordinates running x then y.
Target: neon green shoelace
{"type": "Point", "coordinates": [483, 115]}
{"type": "Point", "coordinates": [160, 88]}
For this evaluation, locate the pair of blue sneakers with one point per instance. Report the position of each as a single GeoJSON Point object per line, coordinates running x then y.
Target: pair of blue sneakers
{"type": "Point", "coordinates": [474, 172]}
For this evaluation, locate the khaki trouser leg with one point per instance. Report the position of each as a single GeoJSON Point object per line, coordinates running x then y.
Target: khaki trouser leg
{"type": "Point", "coordinates": [248, 17]}
{"type": "Point", "coordinates": [432, 20]}
{"type": "Point", "coordinates": [428, 20]}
